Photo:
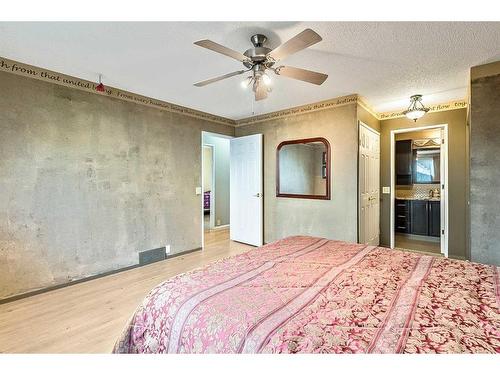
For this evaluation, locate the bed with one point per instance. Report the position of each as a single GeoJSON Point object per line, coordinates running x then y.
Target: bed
{"type": "Point", "coordinates": [312, 295]}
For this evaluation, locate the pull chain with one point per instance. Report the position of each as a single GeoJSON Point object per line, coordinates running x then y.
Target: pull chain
{"type": "Point", "coordinates": [253, 103]}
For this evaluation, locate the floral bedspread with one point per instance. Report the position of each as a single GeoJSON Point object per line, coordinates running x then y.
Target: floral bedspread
{"type": "Point", "coordinates": [312, 295]}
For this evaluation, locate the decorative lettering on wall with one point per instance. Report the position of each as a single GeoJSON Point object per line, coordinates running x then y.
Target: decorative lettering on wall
{"type": "Point", "coordinates": [68, 81]}
{"type": "Point", "coordinates": [327, 104]}
{"type": "Point", "coordinates": [457, 104]}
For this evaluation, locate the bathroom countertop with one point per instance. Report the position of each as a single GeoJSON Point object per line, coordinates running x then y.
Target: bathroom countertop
{"type": "Point", "coordinates": [419, 199]}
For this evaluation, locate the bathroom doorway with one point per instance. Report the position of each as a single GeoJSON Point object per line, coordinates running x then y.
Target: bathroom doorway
{"type": "Point", "coordinates": [419, 189]}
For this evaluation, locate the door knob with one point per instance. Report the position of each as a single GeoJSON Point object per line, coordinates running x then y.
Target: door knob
{"type": "Point", "coordinates": [258, 195]}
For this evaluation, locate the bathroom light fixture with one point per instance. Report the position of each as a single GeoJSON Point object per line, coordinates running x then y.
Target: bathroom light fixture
{"type": "Point", "coordinates": [416, 108]}
{"type": "Point", "coordinates": [100, 87]}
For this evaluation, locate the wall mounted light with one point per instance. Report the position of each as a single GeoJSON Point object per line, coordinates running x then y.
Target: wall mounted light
{"type": "Point", "coordinates": [416, 108]}
{"type": "Point", "coordinates": [100, 87]}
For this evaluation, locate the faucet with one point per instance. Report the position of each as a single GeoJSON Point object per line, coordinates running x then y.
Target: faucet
{"type": "Point", "coordinates": [434, 193]}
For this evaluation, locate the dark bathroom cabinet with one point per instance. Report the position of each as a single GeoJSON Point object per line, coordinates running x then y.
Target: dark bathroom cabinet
{"type": "Point", "coordinates": [402, 221]}
{"type": "Point", "coordinates": [404, 161]}
{"type": "Point", "coordinates": [421, 217]}
{"type": "Point", "coordinates": [434, 218]}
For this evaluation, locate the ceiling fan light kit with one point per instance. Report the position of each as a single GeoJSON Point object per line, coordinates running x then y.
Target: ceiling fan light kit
{"type": "Point", "coordinates": [266, 79]}
{"type": "Point", "coordinates": [259, 59]}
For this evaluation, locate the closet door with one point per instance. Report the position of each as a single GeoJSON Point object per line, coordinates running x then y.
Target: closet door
{"type": "Point", "coordinates": [369, 186]}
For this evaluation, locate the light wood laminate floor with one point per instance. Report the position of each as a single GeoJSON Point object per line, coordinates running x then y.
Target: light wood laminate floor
{"type": "Point", "coordinates": [89, 317]}
{"type": "Point", "coordinates": [412, 244]}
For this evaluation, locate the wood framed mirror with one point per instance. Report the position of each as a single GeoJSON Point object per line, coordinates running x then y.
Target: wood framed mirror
{"type": "Point", "coordinates": [303, 169]}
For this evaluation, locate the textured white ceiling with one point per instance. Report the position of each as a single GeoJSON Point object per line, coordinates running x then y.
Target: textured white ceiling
{"type": "Point", "coordinates": [382, 61]}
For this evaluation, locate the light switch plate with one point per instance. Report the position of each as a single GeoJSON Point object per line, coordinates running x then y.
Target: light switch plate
{"type": "Point", "coordinates": [386, 190]}
{"type": "Point", "coordinates": [198, 190]}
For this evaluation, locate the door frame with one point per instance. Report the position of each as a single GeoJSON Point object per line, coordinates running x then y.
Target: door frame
{"type": "Point", "coordinates": [212, 191]}
{"type": "Point", "coordinates": [212, 196]}
{"type": "Point", "coordinates": [362, 124]}
{"type": "Point", "coordinates": [444, 191]}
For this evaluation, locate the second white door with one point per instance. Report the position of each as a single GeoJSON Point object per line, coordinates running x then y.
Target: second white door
{"type": "Point", "coordinates": [369, 185]}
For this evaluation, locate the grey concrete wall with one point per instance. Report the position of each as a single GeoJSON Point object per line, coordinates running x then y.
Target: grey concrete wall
{"type": "Point", "coordinates": [457, 174]}
{"type": "Point", "coordinates": [485, 169]}
{"type": "Point", "coordinates": [88, 181]}
{"type": "Point", "coordinates": [222, 187]}
{"type": "Point", "coordinates": [335, 218]}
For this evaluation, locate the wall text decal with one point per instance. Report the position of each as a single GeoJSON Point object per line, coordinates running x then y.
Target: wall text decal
{"type": "Point", "coordinates": [456, 104]}
{"type": "Point", "coordinates": [313, 107]}
{"type": "Point", "coordinates": [26, 70]}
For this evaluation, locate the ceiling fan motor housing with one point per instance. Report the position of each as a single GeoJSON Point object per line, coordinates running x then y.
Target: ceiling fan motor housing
{"type": "Point", "coordinates": [258, 40]}
{"type": "Point", "coordinates": [257, 54]}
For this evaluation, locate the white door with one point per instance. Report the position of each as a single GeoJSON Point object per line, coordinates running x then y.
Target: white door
{"type": "Point", "coordinates": [444, 191]}
{"type": "Point", "coordinates": [369, 185]}
{"type": "Point", "coordinates": [246, 202]}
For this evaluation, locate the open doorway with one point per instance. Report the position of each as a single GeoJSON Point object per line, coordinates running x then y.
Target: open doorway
{"type": "Point", "coordinates": [419, 184]}
{"type": "Point", "coordinates": [208, 177]}
{"type": "Point", "coordinates": [215, 186]}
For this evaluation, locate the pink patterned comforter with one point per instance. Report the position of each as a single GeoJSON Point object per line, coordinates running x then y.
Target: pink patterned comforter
{"type": "Point", "coordinates": [312, 295]}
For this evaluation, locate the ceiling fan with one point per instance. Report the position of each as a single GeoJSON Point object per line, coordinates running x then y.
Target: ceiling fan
{"type": "Point", "coordinates": [259, 59]}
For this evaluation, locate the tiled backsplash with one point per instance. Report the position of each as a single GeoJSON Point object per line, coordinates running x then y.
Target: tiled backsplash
{"type": "Point", "coordinates": [419, 191]}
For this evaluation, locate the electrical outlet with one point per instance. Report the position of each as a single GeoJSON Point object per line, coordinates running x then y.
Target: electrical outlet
{"type": "Point", "coordinates": [167, 249]}
{"type": "Point", "coordinates": [386, 190]}
{"type": "Point", "coordinates": [218, 222]}
{"type": "Point", "coordinates": [198, 190]}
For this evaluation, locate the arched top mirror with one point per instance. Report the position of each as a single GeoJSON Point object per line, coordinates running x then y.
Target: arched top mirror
{"type": "Point", "coordinates": [303, 169]}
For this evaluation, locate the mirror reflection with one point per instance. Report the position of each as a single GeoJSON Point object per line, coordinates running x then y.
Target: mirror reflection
{"type": "Point", "coordinates": [303, 169]}
{"type": "Point", "coordinates": [427, 166]}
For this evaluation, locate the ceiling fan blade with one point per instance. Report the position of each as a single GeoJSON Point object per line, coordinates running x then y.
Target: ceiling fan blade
{"type": "Point", "coordinates": [260, 92]}
{"type": "Point", "coordinates": [215, 79]}
{"type": "Point", "coordinates": [221, 49]}
{"type": "Point", "coordinates": [300, 41]}
{"type": "Point", "coordinates": [302, 74]}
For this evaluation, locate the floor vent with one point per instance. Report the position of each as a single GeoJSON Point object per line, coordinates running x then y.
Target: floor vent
{"type": "Point", "coordinates": [151, 256]}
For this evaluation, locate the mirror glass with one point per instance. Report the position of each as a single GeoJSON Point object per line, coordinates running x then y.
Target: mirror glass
{"type": "Point", "coordinates": [303, 169]}
{"type": "Point", "coordinates": [427, 165]}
